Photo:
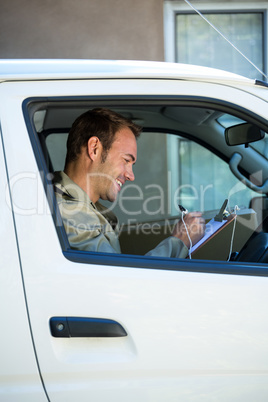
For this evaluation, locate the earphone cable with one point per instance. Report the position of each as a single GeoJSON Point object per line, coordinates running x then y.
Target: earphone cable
{"type": "Point", "coordinates": [191, 244]}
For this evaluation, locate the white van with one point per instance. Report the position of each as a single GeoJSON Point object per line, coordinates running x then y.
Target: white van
{"type": "Point", "coordinates": [87, 326]}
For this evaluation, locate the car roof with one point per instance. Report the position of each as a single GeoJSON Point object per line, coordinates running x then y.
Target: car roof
{"type": "Point", "coordinates": [43, 69]}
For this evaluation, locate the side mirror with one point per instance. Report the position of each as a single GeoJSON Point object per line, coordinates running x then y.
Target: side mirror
{"type": "Point", "coordinates": [243, 134]}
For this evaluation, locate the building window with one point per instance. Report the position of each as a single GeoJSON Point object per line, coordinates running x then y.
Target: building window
{"type": "Point", "coordinates": [196, 42]}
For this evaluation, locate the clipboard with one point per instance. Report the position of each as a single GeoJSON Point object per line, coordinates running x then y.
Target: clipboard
{"type": "Point", "coordinates": [214, 228]}
{"type": "Point", "coordinates": [218, 234]}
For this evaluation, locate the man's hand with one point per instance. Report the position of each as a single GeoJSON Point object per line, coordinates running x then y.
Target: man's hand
{"type": "Point", "coordinates": [195, 225]}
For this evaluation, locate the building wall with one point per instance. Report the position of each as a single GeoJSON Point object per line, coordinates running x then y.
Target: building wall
{"type": "Point", "coordinates": [100, 29]}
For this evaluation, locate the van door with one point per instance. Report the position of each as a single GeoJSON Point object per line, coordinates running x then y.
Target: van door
{"type": "Point", "coordinates": [184, 331]}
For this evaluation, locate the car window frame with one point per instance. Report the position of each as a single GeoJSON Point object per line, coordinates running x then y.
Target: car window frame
{"type": "Point", "coordinates": [32, 104]}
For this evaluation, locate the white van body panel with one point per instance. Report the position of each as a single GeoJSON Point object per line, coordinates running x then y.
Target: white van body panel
{"type": "Point", "coordinates": [190, 336]}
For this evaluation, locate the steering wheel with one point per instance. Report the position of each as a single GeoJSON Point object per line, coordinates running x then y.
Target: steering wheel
{"type": "Point", "coordinates": [236, 158]}
{"type": "Point", "coordinates": [255, 249]}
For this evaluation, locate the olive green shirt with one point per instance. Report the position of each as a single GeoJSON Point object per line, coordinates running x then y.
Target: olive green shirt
{"type": "Point", "coordinates": [92, 227]}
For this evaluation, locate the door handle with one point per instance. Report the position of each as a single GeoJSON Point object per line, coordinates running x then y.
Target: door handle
{"type": "Point", "coordinates": [77, 327]}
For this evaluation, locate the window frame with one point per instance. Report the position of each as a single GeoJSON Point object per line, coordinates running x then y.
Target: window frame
{"type": "Point", "coordinates": [32, 104]}
{"type": "Point", "coordinates": [172, 8]}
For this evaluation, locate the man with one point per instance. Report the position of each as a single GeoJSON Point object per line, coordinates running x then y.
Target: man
{"type": "Point", "coordinates": [101, 152]}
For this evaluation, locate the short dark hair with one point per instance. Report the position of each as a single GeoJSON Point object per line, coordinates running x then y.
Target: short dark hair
{"type": "Point", "coordinates": [100, 122]}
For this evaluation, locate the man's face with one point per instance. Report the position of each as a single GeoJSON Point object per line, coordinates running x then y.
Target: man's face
{"type": "Point", "coordinates": [118, 165]}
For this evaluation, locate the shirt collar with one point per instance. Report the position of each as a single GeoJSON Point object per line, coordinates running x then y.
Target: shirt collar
{"type": "Point", "coordinates": [70, 189]}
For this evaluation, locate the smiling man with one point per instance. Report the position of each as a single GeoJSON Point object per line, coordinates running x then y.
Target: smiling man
{"type": "Point", "coordinates": [101, 152]}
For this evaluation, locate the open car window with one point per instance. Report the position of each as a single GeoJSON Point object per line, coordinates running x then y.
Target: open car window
{"type": "Point", "coordinates": [183, 159]}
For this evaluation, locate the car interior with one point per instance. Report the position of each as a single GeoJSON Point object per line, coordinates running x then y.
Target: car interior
{"type": "Point", "coordinates": [193, 153]}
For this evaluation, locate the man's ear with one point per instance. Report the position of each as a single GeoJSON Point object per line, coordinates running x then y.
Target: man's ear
{"type": "Point", "coordinates": [94, 148]}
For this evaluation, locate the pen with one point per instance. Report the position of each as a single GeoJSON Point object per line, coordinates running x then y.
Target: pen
{"type": "Point", "coordinates": [182, 209]}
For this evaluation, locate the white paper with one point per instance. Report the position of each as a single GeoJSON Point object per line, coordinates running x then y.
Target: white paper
{"type": "Point", "coordinates": [211, 227]}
